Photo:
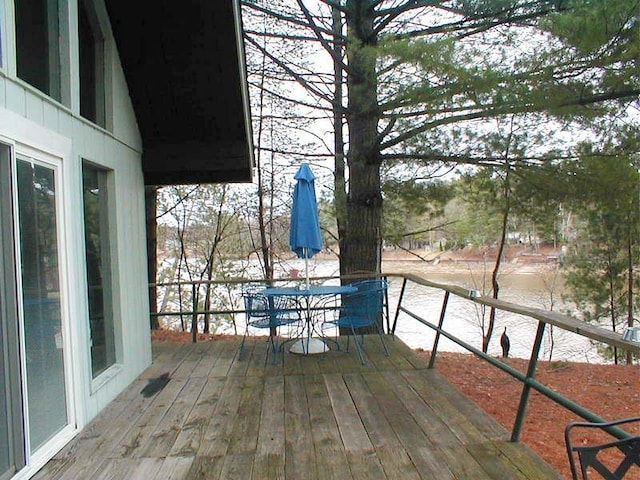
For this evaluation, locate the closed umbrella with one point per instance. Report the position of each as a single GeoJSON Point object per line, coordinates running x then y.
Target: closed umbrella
{"type": "Point", "coordinates": [305, 238]}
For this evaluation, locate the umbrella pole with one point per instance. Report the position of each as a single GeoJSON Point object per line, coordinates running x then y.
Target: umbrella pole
{"type": "Point", "coordinates": [306, 275]}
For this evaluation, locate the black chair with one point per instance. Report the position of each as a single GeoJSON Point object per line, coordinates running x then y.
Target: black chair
{"type": "Point", "coordinates": [362, 309]}
{"type": "Point", "coordinates": [589, 458]}
{"type": "Point", "coordinates": [268, 313]}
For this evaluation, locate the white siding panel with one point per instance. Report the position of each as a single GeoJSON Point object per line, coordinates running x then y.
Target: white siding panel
{"type": "Point", "coordinates": [16, 99]}
{"type": "Point", "coordinates": [128, 264]}
{"type": "Point", "coordinates": [133, 266]}
{"type": "Point", "coordinates": [76, 276]}
{"type": "Point", "coordinates": [65, 124]}
{"type": "Point", "coordinates": [125, 126]}
{"type": "Point", "coordinates": [35, 108]}
{"type": "Point", "coordinates": [50, 117]}
{"type": "Point", "coordinates": [94, 142]}
{"type": "Point", "coordinates": [21, 130]}
{"type": "Point", "coordinates": [3, 95]}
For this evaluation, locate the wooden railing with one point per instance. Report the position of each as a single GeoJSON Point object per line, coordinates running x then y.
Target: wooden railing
{"type": "Point", "coordinates": [542, 317]}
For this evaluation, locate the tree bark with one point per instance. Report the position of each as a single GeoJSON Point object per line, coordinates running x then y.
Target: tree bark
{"type": "Point", "coordinates": [340, 187]}
{"type": "Point", "coordinates": [265, 243]}
{"type": "Point", "coordinates": [629, 355]}
{"type": "Point", "coordinates": [495, 285]}
{"type": "Point", "coordinates": [361, 245]}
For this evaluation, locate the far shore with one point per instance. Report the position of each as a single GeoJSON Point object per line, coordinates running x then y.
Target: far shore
{"type": "Point", "coordinates": [517, 260]}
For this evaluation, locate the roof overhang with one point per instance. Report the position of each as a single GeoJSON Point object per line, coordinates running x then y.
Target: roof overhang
{"type": "Point", "coordinates": [185, 68]}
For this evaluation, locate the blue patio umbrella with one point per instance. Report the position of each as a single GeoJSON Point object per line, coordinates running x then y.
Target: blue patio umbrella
{"type": "Point", "coordinates": [305, 238]}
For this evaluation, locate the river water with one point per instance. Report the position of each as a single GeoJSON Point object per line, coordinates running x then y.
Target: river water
{"type": "Point", "coordinates": [532, 287]}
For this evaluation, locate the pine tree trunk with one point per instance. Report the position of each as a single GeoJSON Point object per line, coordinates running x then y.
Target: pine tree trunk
{"type": "Point", "coordinates": [361, 245]}
{"type": "Point", "coordinates": [340, 186]}
{"type": "Point", "coordinates": [629, 355]}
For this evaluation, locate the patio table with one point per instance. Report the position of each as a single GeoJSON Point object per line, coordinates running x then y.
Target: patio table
{"type": "Point", "coordinates": [309, 345]}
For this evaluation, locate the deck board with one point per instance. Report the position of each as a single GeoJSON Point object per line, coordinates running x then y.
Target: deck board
{"type": "Point", "coordinates": [226, 415]}
{"type": "Point", "coordinates": [299, 449]}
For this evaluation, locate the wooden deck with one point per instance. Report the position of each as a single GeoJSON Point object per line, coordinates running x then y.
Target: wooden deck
{"type": "Point", "coordinates": [325, 416]}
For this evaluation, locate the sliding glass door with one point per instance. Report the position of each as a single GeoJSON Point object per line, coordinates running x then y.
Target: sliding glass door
{"type": "Point", "coordinates": [6, 454]}
{"type": "Point", "coordinates": [41, 307]}
{"type": "Point", "coordinates": [33, 379]}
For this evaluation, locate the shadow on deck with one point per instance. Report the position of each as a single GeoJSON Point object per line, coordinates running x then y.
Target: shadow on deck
{"type": "Point", "coordinates": [324, 416]}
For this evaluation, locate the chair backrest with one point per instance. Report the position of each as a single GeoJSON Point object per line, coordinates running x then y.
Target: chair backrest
{"type": "Point", "coordinates": [363, 285]}
{"type": "Point", "coordinates": [372, 284]}
{"type": "Point", "coordinates": [263, 311]}
{"type": "Point", "coordinates": [256, 305]}
{"type": "Point", "coordinates": [364, 307]}
{"type": "Point", "coordinates": [623, 450]}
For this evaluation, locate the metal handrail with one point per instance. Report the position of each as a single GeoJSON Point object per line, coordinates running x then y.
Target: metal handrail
{"type": "Point", "coordinates": [528, 380]}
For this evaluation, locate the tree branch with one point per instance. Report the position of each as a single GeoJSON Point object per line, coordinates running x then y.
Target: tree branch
{"type": "Point", "coordinates": [298, 78]}
{"type": "Point", "coordinates": [318, 33]}
{"type": "Point", "coordinates": [496, 111]}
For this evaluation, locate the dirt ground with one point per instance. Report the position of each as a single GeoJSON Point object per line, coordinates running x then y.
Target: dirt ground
{"type": "Point", "coordinates": [610, 391]}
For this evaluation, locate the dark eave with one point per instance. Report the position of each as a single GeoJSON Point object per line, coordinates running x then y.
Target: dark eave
{"type": "Point", "coordinates": [184, 65]}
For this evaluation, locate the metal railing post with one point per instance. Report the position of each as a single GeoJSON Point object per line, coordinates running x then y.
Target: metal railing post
{"type": "Point", "coordinates": [386, 305]}
{"type": "Point", "coordinates": [395, 319]}
{"type": "Point", "coordinates": [194, 315]}
{"type": "Point", "coordinates": [526, 389]}
{"type": "Point", "coordinates": [432, 359]}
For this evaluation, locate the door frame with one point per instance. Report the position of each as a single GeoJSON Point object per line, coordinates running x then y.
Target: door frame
{"type": "Point", "coordinates": [36, 143]}
{"type": "Point", "coordinates": [9, 336]}
{"type": "Point", "coordinates": [25, 153]}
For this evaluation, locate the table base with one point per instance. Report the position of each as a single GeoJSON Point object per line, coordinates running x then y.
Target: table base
{"type": "Point", "coordinates": [309, 346]}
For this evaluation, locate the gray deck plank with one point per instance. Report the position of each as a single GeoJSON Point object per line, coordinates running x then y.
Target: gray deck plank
{"type": "Point", "coordinates": [352, 431]}
{"type": "Point", "coordinates": [187, 367]}
{"type": "Point", "coordinates": [365, 466]}
{"type": "Point", "coordinates": [226, 354]}
{"type": "Point", "coordinates": [330, 453]}
{"type": "Point", "coordinates": [300, 455]}
{"type": "Point", "coordinates": [271, 434]}
{"type": "Point", "coordinates": [165, 434]}
{"type": "Point", "coordinates": [205, 468]}
{"type": "Point", "coordinates": [189, 438]}
{"type": "Point", "coordinates": [172, 468]}
{"type": "Point", "coordinates": [216, 436]}
{"type": "Point", "coordinates": [243, 437]}
{"type": "Point", "coordinates": [140, 432]}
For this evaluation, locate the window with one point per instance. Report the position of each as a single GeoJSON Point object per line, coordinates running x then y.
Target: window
{"type": "Point", "coordinates": [38, 45]}
{"type": "Point", "coordinates": [97, 250]}
{"type": "Point", "coordinates": [92, 64]}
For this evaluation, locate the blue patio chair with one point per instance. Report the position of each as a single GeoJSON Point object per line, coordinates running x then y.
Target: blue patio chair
{"type": "Point", "coordinates": [625, 451]}
{"type": "Point", "coordinates": [268, 313]}
{"type": "Point", "coordinates": [373, 283]}
{"type": "Point", "coordinates": [362, 310]}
